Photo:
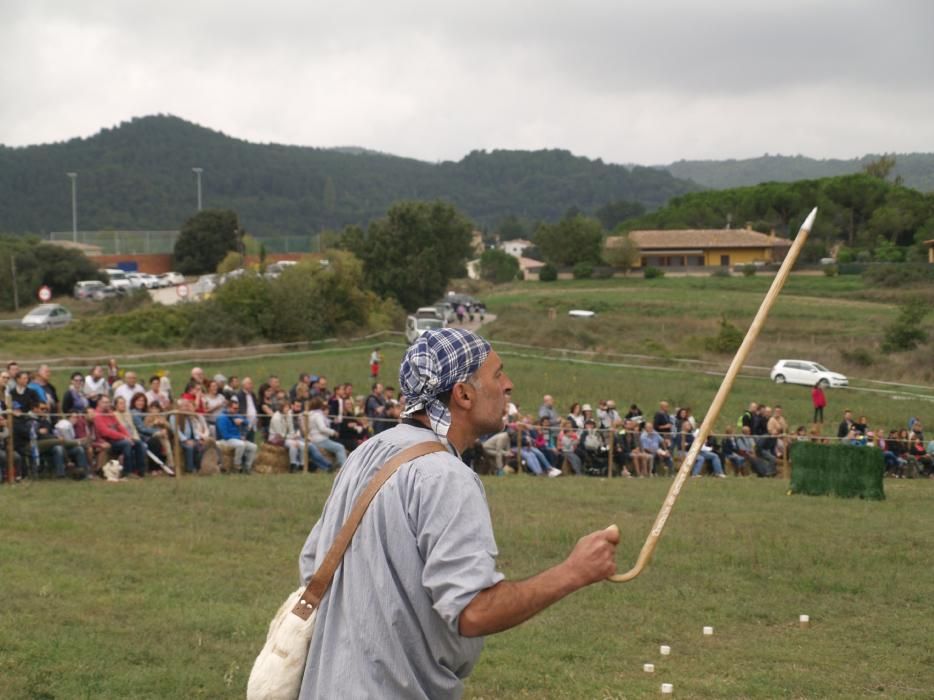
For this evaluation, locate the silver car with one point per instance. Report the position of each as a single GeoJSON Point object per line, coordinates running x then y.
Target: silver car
{"type": "Point", "coordinates": [47, 316]}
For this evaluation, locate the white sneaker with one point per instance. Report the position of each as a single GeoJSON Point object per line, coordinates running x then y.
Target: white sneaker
{"type": "Point", "coordinates": [721, 476]}
{"type": "Point", "coordinates": [554, 472]}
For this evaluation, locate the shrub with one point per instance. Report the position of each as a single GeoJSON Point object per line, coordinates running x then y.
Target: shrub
{"type": "Point", "coordinates": [651, 273]}
{"type": "Point", "coordinates": [498, 266]}
{"type": "Point", "coordinates": [905, 332]}
{"type": "Point", "coordinates": [748, 270]}
{"type": "Point", "coordinates": [548, 273]}
{"type": "Point", "coordinates": [721, 272]}
{"type": "Point", "coordinates": [831, 270]}
{"type": "Point", "coordinates": [583, 271]}
{"type": "Point", "coordinates": [898, 275]}
{"type": "Point", "coordinates": [727, 340]}
{"type": "Point", "coordinates": [858, 356]}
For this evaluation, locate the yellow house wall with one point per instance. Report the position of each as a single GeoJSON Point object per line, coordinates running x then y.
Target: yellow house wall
{"type": "Point", "coordinates": [738, 256]}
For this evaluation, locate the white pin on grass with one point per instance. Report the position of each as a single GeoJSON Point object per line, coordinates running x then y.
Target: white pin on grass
{"type": "Point", "coordinates": [804, 621]}
{"type": "Point", "coordinates": [648, 668]}
{"type": "Point", "coordinates": [664, 650]}
{"type": "Point", "coordinates": [667, 688]}
{"type": "Point", "coordinates": [708, 631]}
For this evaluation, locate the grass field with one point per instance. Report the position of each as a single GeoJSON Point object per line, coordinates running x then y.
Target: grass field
{"type": "Point", "coordinates": [163, 589]}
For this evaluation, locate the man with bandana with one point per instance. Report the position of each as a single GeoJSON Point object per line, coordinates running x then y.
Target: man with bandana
{"type": "Point", "coordinates": [418, 588]}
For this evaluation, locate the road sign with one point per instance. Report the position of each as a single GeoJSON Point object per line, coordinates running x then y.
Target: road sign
{"type": "Point", "coordinates": [182, 291]}
{"type": "Point", "coordinates": [44, 294]}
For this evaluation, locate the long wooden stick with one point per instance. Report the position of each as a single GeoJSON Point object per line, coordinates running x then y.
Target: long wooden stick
{"type": "Point", "coordinates": [714, 411]}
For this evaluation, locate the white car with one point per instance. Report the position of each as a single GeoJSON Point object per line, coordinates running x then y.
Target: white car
{"type": "Point", "coordinates": [807, 373]}
{"type": "Point", "coordinates": [47, 316]}
{"type": "Point", "coordinates": [172, 279]}
{"type": "Point", "coordinates": [140, 280]}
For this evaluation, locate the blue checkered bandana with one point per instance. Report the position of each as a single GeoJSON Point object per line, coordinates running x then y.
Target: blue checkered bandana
{"type": "Point", "coordinates": [434, 364]}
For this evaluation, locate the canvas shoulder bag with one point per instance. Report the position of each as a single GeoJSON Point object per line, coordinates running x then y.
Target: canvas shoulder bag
{"type": "Point", "coordinates": [278, 670]}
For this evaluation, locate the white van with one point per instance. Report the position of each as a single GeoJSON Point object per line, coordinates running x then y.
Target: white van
{"type": "Point", "coordinates": [119, 281]}
{"type": "Point", "coordinates": [415, 326]}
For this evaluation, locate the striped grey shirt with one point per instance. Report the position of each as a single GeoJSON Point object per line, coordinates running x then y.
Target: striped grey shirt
{"type": "Point", "coordinates": [388, 625]}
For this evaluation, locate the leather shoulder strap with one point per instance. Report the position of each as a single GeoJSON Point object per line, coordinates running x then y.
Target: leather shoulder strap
{"type": "Point", "coordinates": [321, 579]}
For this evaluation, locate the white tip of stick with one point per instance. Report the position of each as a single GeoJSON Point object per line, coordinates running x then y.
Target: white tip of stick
{"type": "Point", "coordinates": [809, 222]}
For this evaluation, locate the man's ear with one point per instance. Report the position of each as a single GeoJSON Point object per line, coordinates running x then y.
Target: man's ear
{"type": "Point", "coordinates": [461, 395]}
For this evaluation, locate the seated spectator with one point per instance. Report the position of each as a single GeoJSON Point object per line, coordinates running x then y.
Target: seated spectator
{"type": "Point", "coordinates": [71, 429]}
{"type": "Point", "coordinates": [607, 415]}
{"type": "Point", "coordinates": [498, 448]}
{"type": "Point", "coordinates": [231, 428]}
{"type": "Point", "coordinates": [321, 435]}
{"type": "Point", "coordinates": [635, 414]}
{"type": "Point", "coordinates": [54, 449]}
{"type": "Point", "coordinates": [653, 444]}
{"type": "Point", "coordinates": [568, 441]}
{"type": "Point", "coordinates": [592, 449]}
{"type": "Point", "coordinates": [731, 453]}
{"type": "Point", "coordinates": [747, 449]}
{"type": "Point", "coordinates": [545, 440]}
{"type": "Point", "coordinates": [287, 428]}
{"type": "Point", "coordinates": [154, 437]}
{"type": "Point", "coordinates": [121, 410]}
{"type": "Point", "coordinates": [192, 433]}
{"type": "Point", "coordinates": [158, 422]}
{"type": "Point", "coordinates": [535, 461]}
{"type": "Point", "coordinates": [351, 431]}
{"type": "Point", "coordinates": [108, 427]}
{"type": "Point", "coordinates": [640, 460]}
{"type": "Point", "coordinates": [705, 457]}
{"type": "Point", "coordinates": [128, 389]}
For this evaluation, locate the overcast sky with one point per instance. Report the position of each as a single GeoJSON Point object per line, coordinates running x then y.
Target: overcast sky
{"type": "Point", "coordinates": [630, 82]}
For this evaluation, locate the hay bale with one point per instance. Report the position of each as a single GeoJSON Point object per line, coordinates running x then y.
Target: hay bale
{"type": "Point", "coordinates": [271, 459]}
{"type": "Point", "coordinates": [209, 464]}
{"type": "Point", "coordinates": [847, 471]}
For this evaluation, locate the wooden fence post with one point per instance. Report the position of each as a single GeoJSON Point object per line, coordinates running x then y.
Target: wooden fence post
{"type": "Point", "coordinates": [10, 451]}
{"type": "Point", "coordinates": [176, 444]}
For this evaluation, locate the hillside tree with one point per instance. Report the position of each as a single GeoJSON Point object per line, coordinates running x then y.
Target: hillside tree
{"type": "Point", "coordinates": [205, 240]}
{"type": "Point", "coordinates": [572, 240]}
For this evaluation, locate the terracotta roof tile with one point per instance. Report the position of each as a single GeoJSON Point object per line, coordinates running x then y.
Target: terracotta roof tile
{"type": "Point", "coordinates": [703, 238]}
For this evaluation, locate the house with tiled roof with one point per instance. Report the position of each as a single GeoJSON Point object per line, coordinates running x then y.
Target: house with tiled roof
{"type": "Point", "coordinates": [705, 247]}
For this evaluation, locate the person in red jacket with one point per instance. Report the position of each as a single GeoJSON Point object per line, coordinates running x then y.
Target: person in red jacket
{"type": "Point", "coordinates": [819, 400]}
{"type": "Point", "coordinates": [111, 430]}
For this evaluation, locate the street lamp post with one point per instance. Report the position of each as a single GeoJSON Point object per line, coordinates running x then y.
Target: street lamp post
{"type": "Point", "coordinates": [74, 206]}
{"type": "Point", "coordinates": [198, 171]}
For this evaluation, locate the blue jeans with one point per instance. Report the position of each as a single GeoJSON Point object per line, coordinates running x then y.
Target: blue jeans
{"type": "Point", "coordinates": [710, 458]}
{"type": "Point", "coordinates": [537, 462]}
{"type": "Point", "coordinates": [335, 448]}
{"type": "Point", "coordinates": [134, 455]}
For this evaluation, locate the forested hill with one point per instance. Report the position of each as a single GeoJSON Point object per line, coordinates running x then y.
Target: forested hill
{"type": "Point", "coordinates": [138, 176]}
{"type": "Point", "coordinates": [915, 169]}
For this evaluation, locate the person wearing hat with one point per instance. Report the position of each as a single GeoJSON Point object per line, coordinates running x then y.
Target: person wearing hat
{"type": "Point", "coordinates": [607, 415]}
{"type": "Point", "coordinates": [230, 427]}
{"type": "Point", "coordinates": [418, 588]}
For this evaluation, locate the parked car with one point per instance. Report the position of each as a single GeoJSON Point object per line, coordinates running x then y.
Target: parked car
{"type": "Point", "coordinates": [85, 289]}
{"type": "Point", "coordinates": [431, 312]}
{"type": "Point", "coordinates": [172, 279]}
{"type": "Point", "coordinates": [807, 373]}
{"type": "Point", "coordinates": [47, 316]}
{"type": "Point", "coordinates": [203, 288]}
{"type": "Point", "coordinates": [119, 280]}
{"type": "Point", "coordinates": [105, 292]}
{"type": "Point", "coordinates": [141, 280]}
{"type": "Point", "coordinates": [415, 326]}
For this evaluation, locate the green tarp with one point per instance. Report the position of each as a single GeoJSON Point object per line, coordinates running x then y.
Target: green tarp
{"type": "Point", "coordinates": [847, 471]}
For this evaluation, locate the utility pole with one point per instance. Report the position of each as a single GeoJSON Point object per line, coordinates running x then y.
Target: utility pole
{"type": "Point", "coordinates": [13, 273]}
{"type": "Point", "coordinates": [197, 172]}
{"type": "Point", "coordinates": [74, 206]}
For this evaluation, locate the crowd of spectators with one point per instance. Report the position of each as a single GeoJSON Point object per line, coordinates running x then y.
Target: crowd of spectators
{"type": "Point", "coordinates": [111, 416]}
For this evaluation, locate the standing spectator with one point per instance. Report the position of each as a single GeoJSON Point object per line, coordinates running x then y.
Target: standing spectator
{"type": "Point", "coordinates": [23, 402]}
{"type": "Point", "coordinates": [777, 428]}
{"type": "Point", "coordinates": [108, 428]}
{"type": "Point", "coordinates": [231, 426]}
{"type": "Point", "coordinates": [74, 400]}
{"type": "Point", "coordinates": [214, 402]}
{"type": "Point", "coordinates": [607, 415]}
{"type": "Point", "coordinates": [846, 425]}
{"type": "Point", "coordinates": [248, 407]}
{"type": "Point", "coordinates": [96, 385]}
{"type": "Point", "coordinates": [376, 359]}
{"type": "Point", "coordinates": [819, 401]}
{"type": "Point", "coordinates": [351, 431]}
{"type": "Point", "coordinates": [375, 409]}
{"type": "Point", "coordinates": [113, 371]}
{"type": "Point", "coordinates": [197, 376]}
{"type": "Point", "coordinates": [661, 422]}
{"type": "Point", "coordinates": [43, 387]}
{"type": "Point", "coordinates": [156, 396]}
{"type": "Point", "coordinates": [576, 416]}
{"type": "Point", "coordinates": [748, 417]}
{"type": "Point", "coordinates": [130, 388]}
{"type": "Point", "coordinates": [191, 433]}
{"type": "Point", "coordinates": [635, 414]}
{"type": "Point", "coordinates": [547, 410]}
